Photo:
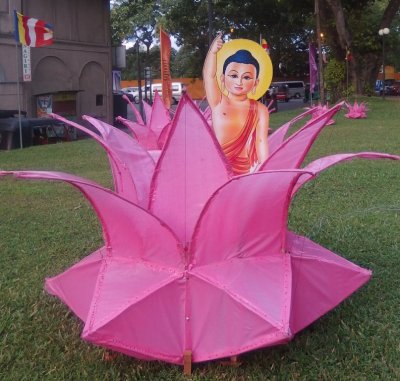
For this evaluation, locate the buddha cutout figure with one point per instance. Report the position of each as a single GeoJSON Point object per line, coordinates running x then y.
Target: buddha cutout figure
{"type": "Point", "coordinates": [235, 74]}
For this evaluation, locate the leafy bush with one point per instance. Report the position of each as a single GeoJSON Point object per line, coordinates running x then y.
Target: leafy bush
{"type": "Point", "coordinates": [348, 91]}
{"type": "Point", "coordinates": [334, 78]}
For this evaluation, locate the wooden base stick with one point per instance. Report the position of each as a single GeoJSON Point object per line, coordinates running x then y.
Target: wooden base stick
{"type": "Point", "coordinates": [187, 363]}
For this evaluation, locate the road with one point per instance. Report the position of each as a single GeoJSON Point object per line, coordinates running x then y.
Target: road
{"type": "Point", "coordinates": [291, 105]}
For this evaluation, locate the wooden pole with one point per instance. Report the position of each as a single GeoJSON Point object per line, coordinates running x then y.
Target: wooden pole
{"type": "Point", "coordinates": [347, 73]}
{"type": "Point", "coordinates": [18, 97]}
{"type": "Point", "coordinates": [383, 66]}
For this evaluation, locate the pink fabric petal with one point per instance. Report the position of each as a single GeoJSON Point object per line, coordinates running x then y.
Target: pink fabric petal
{"type": "Point", "coordinates": [145, 137]}
{"type": "Point", "coordinates": [147, 318]}
{"type": "Point", "coordinates": [155, 154]}
{"type": "Point", "coordinates": [135, 111]}
{"type": "Point", "coordinates": [321, 280]}
{"type": "Point", "coordinates": [189, 170]}
{"type": "Point", "coordinates": [152, 135]}
{"type": "Point", "coordinates": [123, 183]}
{"type": "Point", "coordinates": [326, 162]}
{"type": "Point", "coordinates": [245, 304]}
{"type": "Point", "coordinates": [277, 137]}
{"type": "Point", "coordinates": [322, 109]}
{"type": "Point", "coordinates": [164, 136]}
{"type": "Point", "coordinates": [128, 230]}
{"type": "Point", "coordinates": [293, 150]}
{"type": "Point", "coordinates": [132, 166]}
{"type": "Point", "coordinates": [160, 118]}
{"type": "Point", "coordinates": [244, 218]}
{"type": "Point", "coordinates": [75, 286]}
{"type": "Point", "coordinates": [147, 112]}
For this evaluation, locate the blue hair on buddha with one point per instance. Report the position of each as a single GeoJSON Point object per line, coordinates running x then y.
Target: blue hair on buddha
{"type": "Point", "coordinates": [242, 56]}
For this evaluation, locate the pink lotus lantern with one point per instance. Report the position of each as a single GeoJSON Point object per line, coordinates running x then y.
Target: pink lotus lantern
{"type": "Point", "coordinates": [356, 111]}
{"type": "Point", "coordinates": [197, 262]}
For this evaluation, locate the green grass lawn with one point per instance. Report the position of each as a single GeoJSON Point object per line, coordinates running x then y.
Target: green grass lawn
{"type": "Point", "coordinates": [352, 209]}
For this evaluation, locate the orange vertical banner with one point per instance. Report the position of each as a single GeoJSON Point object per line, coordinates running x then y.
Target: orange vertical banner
{"type": "Point", "coordinates": [165, 51]}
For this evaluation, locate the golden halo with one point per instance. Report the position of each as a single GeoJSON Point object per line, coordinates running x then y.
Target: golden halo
{"type": "Point", "coordinates": [265, 75]}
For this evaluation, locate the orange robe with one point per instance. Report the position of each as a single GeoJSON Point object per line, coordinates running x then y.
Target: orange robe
{"type": "Point", "coordinates": [232, 149]}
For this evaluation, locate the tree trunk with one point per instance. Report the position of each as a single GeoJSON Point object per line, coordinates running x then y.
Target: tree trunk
{"type": "Point", "coordinates": [345, 41]}
{"type": "Point", "coordinates": [389, 13]}
{"type": "Point", "coordinates": [343, 32]}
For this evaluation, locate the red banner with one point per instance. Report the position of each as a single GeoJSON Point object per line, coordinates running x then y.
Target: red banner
{"type": "Point", "coordinates": [165, 51]}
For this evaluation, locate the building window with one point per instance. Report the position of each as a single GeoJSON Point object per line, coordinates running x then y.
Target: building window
{"type": "Point", "coordinates": [99, 100]}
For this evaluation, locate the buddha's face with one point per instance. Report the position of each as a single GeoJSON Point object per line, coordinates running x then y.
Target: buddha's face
{"type": "Point", "coordinates": [240, 78]}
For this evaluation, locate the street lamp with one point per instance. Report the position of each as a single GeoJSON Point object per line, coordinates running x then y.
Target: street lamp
{"type": "Point", "coordinates": [139, 79]}
{"type": "Point", "coordinates": [382, 32]}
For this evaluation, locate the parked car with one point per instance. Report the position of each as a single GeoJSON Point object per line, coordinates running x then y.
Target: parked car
{"type": "Point", "coordinates": [396, 88]}
{"type": "Point", "coordinates": [178, 89]}
{"type": "Point", "coordinates": [132, 93]}
{"type": "Point", "coordinates": [282, 91]}
{"type": "Point", "coordinates": [391, 87]}
{"type": "Point", "coordinates": [296, 88]}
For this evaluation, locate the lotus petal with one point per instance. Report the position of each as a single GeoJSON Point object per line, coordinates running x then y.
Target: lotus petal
{"type": "Point", "coordinates": [293, 150]}
{"type": "Point", "coordinates": [193, 158]}
{"type": "Point", "coordinates": [319, 165]}
{"type": "Point", "coordinates": [278, 136]}
{"type": "Point", "coordinates": [132, 166]}
{"type": "Point", "coordinates": [242, 219]}
{"type": "Point", "coordinates": [146, 138]}
{"type": "Point", "coordinates": [137, 114]}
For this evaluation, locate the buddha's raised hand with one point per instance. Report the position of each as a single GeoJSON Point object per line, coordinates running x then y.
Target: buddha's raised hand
{"type": "Point", "coordinates": [216, 44]}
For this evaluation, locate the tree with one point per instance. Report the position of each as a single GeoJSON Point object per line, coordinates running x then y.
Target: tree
{"type": "Point", "coordinates": [130, 72]}
{"type": "Point", "coordinates": [354, 25]}
{"type": "Point", "coordinates": [185, 63]}
{"type": "Point", "coordinates": [287, 25]}
{"type": "Point", "coordinates": [137, 20]}
{"type": "Point", "coordinates": [134, 19]}
{"type": "Point", "coordinates": [283, 23]}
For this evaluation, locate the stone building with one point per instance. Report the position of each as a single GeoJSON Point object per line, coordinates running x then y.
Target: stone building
{"type": "Point", "coordinates": [73, 76]}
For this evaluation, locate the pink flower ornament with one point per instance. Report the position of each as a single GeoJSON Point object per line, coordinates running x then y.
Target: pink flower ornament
{"type": "Point", "coordinates": [356, 111]}
{"type": "Point", "coordinates": [196, 259]}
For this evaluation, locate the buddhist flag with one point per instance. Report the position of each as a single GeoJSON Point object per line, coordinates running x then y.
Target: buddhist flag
{"type": "Point", "coordinates": [265, 45]}
{"type": "Point", "coordinates": [32, 32]}
{"type": "Point", "coordinates": [165, 51]}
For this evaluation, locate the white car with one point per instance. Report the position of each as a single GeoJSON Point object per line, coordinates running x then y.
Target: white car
{"type": "Point", "coordinates": [132, 93]}
{"type": "Point", "coordinates": [177, 90]}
